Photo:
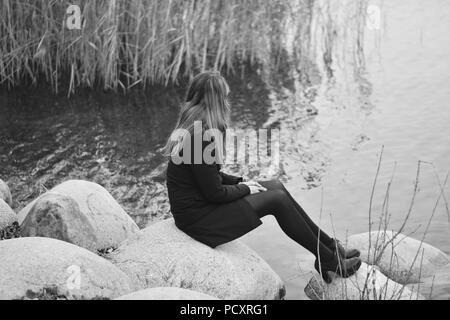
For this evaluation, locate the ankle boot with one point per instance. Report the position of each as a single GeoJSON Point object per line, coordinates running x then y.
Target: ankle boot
{"type": "Point", "coordinates": [346, 254]}
{"type": "Point", "coordinates": [337, 266]}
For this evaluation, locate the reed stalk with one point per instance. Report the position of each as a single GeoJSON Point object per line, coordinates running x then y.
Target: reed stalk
{"type": "Point", "coordinates": [124, 43]}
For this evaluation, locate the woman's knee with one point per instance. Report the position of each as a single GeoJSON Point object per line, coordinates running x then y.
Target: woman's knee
{"type": "Point", "coordinates": [272, 202]}
{"type": "Point", "coordinates": [278, 196]}
{"type": "Point", "coordinates": [273, 185]}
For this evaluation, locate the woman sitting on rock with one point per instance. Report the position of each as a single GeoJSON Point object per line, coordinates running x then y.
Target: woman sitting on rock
{"type": "Point", "coordinates": [215, 208]}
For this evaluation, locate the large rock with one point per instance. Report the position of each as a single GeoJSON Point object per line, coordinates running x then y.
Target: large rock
{"type": "Point", "coordinates": [402, 259]}
{"type": "Point", "coordinates": [7, 215]}
{"type": "Point", "coordinates": [31, 267]}
{"type": "Point", "coordinates": [5, 193]}
{"type": "Point", "coordinates": [167, 294]}
{"type": "Point", "coordinates": [436, 287]}
{"type": "Point", "coordinates": [367, 284]}
{"type": "Point", "coordinates": [164, 256]}
{"type": "Point", "coordinates": [59, 217]}
{"type": "Point", "coordinates": [79, 212]}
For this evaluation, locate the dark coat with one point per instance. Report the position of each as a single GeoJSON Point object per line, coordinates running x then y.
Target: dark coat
{"type": "Point", "coordinates": [209, 205]}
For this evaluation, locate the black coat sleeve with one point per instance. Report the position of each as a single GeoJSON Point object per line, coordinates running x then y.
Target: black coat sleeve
{"type": "Point", "coordinates": [209, 181]}
{"type": "Point", "coordinates": [212, 184]}
{"type": "Point", "coordinates": [229, 179]}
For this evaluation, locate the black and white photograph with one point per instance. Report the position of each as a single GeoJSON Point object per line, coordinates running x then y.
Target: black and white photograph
{"type": "Point", "coordinates": [229, 156]}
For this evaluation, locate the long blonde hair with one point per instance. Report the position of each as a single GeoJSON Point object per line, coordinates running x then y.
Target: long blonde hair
{"type": "Point", "coordinates": [206, 102]}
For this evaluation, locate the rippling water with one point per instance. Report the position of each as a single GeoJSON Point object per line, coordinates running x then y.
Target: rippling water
{"type": "Point", "coordinates": [403, 106]}
{"type": "Point", "coordinates": [408, 67]}
{"type": "Point", "coordinates": [337, 116]}
{"type": "Point", "coordinates": [107, 138]}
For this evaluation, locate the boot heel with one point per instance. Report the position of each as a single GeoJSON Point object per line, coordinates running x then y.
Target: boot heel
{"type": "Point", "coordinates": [326, 277]}
{"type": "Point", "coordinates": [324, 274]}
{"type": "Point", "coordinates": [344, 269]}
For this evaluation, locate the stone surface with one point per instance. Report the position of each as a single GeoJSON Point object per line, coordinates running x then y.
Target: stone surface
{"type": "Point", "coordinates": [5, 193]}
{"type": "Point", "coordinates": [7, 215]}
{"type": "Point", "coordinates": [367, 284]}
{"type": "Point", "coordinates": [167, 294]}
{"type": "Point", "coordinates": [295, 263]}
{"type": "Point", "coordinates": [59, 217]}
{"type": "Point", "coordinates": [82, 207]}
{"type": "Point", "coordinates": [404, 259]}
{"type": "Point", "coordinates": [436, 287]}
{"type": "Point", "coordinates": [164, 256]}
{"type": "Point", "coordinates": [31, 266]}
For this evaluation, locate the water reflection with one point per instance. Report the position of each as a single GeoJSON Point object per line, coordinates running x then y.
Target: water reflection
{"type": "Point", "coordinates": [395, 95]}
{"type": "Point", "coordinates": [111, 139]}
{"type": "Point", "coordinates": [400, 100]}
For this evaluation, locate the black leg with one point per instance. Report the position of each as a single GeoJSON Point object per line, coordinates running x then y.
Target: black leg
{"type": "Point", "coordinates": [277, 185]}
{"type": "Point", "coordinates": [280, 205]}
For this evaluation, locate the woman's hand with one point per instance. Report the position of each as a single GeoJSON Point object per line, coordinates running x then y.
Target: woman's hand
{"type": "Point", "coordinates": [254, 186]}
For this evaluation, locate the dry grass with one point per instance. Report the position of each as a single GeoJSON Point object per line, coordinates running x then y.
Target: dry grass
{"type": "Point", "coordinates": [380, 247]}
{"type": "Point", "coordinates": [124, 43]}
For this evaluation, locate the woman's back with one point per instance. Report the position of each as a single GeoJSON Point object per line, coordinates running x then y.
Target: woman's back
{"type": "Point", "coordinates": [186, 201]}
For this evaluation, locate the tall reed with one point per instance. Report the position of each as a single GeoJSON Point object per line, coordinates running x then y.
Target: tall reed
{"type": "Point", "coordinates": [123, 43]}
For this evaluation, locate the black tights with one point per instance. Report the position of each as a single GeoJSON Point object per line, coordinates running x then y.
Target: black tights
{"type": "Point", "coordinates": [293, 220]}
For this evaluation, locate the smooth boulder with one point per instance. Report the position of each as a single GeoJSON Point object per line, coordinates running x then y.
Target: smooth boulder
{"type": "Point", "coordinates": [59, 217]}
{"type": "Point", "coordinates": [82, 209]}
{"type": "Point", "coordinates": [5, 193]}
{"type": "Point", "coordinates": [7, 215]}
{"type": "Point", "coordinates": [436, 287]}
{"type": "Point", "coordinates": [32, 266]}
{"type": "Point", "coordinates": [167, 294]}
{"type": "Point", "coordinates": [367, 284]}
{"type": "Point", "coordinates": [164, 256]}
{"type": "Point", "coordinates": [401, 258]}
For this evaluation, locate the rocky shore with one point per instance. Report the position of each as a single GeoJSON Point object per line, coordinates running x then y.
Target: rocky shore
{"type": "Point", "coordinates": [76, 242]}
{"type": "Point", "coordinates": [396, 267]}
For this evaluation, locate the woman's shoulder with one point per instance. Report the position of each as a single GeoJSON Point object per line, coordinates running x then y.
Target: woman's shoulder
{"type": "Point", "coordinates": [194, 151]}
{"type": "Point", "coordinates": [176, 171]}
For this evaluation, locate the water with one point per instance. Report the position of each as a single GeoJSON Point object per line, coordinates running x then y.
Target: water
{"type": "Point", "coordinates": [408, 72]}
{"type": "Point", "coordinates": [107, 138]}
{"type": "Point", "coordinates": [397, 99]}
